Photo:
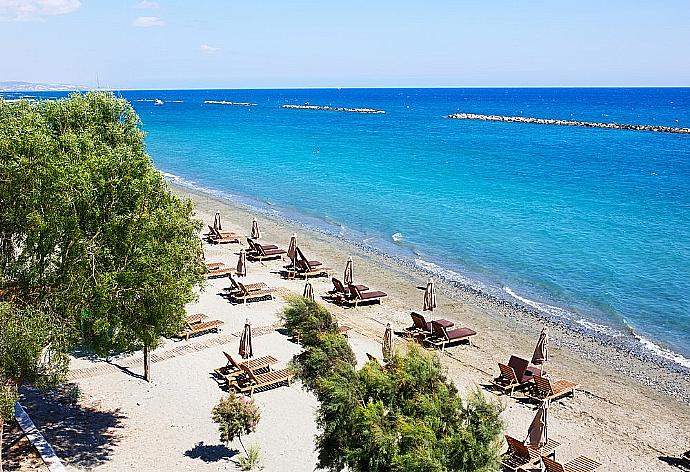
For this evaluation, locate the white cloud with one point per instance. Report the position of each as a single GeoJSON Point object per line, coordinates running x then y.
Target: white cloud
{"type": "Point", "coordinates": [35, 10]}
{"type": "Point", "coordinates": [147, 5]}
{"type": "Point", "coordinates": [147, 21]}
{"type": "Point", "coordinates": [206, 49]}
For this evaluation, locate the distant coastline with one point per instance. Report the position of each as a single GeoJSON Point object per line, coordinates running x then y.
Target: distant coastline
{"type": "Point", "coordinates": [223, 102]}
{"type": "Point", "coordinates": [583, 124]}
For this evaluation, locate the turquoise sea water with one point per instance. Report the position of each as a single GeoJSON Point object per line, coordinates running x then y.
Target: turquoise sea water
{"type": "Point", "coordinates": [589, 225]}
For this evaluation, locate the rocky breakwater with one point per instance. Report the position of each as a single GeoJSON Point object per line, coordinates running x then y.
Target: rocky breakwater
{"type": "Point", "coordinates": [223, 102]}
{"type": "Point", "coordinates": [582, 124]}
{"type": "Point", "coordinates": [327, 108]}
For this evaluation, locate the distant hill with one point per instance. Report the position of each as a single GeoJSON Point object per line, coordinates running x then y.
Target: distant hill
{"type": "Point", "coordinates": [33, 87]}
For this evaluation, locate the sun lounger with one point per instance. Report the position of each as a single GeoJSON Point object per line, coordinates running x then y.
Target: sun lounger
{"type": "Point", "coordinates": [200, 327]}
{"type": "Point", "coordinates": [218, 269]}
{"type": "Point", "coordinates": [340, 294]}
{"type": "Point", "coordinates": [214, 233]}
{"type": "Point", "coordinates": [519, 456]}
{"type": "Point", "coordinates": [250, 382]}
{"type": "Point", "coordinates": [374, 358]}
{"type": "Point", "coordinates": [260, 252]}
{"type": "Point", "coordinates": [421, 328]}
{"type": "Point", "coordinates": [196, 318]}
{"type": "Point", "coordinates": [308, 268]}
{"type": "Point", "coordinates": [441, 336]}
{"type": "Point", "coordinates": [222, 238]}
{"type": "Point", "coordinates": [357, 296]}
{"type": "Point", "coordinates": [544, 389]}
{"type": "Point", "coordinates": [233, 368]}
{"type": "Point", "coordinates": [580, 464]}
{"type": "Point", "coordinates": [235, 287]}
{"type": "Point", "coordinates": [244, 295]}
{"type": "Point", "coordinates": [516, 374]}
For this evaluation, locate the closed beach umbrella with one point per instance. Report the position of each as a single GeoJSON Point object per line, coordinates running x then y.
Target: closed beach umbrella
{"type": "Point", "coordinates": [430, 297]}
{"type": "Point", "coordinates": [347, 276]}
{"type": "Point", "coordinates": [308, 291]}
{"type": "Point", "coordinates": [387, 343]}
{"type": "Point", "coordinates": [541, 351]}
{"type": "Point", "coordinates": [256, 234]}
{"type": "Point", "coordinates": [537, 434]}
{"type": "Point", "coordinates": [216, 221]}
{"type": "Point", "coordinates": [292, 247]}
{"type": "Point", "coordinates": [241, 264]}
{"type": "Point", "coordinates": [246, 341]}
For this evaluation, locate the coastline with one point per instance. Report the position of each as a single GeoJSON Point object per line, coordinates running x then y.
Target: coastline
{"type": "Point", "coordinates": [497, 316]}
{"type": "Point", "coordinates": [460, 286]}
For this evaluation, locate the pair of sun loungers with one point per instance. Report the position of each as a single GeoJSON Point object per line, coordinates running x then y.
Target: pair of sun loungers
{"type": "Point", "coordinates": [521, 457]}
{"type": "Point", "coordinates": [518, 374]}
{"type": "Point", "coordinates": [215, 236]}
{"type": "Point", "coordinates": [261, 252]}
{"type": "Point", "coordinates": [303, 267]}
{"type": "Point", "coordinates": [254, 374]}
{"type": "Point", "coordinates": [199, 324]}
{"type": "Point", "coordinates": [438, 333]}
{"type": "Point", "coordinates": [354, 294]}
{"type": "Point", "coordinates": [239, 292]}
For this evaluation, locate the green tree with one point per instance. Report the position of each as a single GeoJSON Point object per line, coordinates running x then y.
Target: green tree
{"type": "Point", "coordinates": [235, 417]}
{"type": "Point", "coordinates": [306, 318]}
{"type": "Point", "coordinates": [90, 234]}
{"type": "Point", "coordinates": [405, 416]}
{"type": "Point", "coordinates": [30, 351]}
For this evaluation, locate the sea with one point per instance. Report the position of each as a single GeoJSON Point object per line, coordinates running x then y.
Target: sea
{"type": "Point", "coordinates": [591, 227]}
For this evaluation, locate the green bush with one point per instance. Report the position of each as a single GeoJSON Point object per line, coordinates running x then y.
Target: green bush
{"type": "Point", "coordinates": [306, 318]}
{"type": "Point", "coordinates": [235, 417]}
{"type": "Point", "coordinates": [330, 350]}
{"type": "Point", "coordinates": [252, 459]}
{"type": "Point", "coordinates": [405, 416]}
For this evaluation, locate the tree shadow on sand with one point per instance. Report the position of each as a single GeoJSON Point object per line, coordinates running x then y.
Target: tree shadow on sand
{"type": "Point", "coordinates": [682, 464]}
{"type": "Point", "coordinates": [211, 452]}
{"type": "Point", "coordinates": [81, 435]}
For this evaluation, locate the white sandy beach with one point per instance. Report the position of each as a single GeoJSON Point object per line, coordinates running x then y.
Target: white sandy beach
{"type": "Point", "coordinates": [624, 422]}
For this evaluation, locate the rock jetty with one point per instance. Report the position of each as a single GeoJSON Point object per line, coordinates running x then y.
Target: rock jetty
{"type": "Point", "coordinates": [327, 108]}
{"type": "Point", "coordinates": [223, 102]}
{"type": "Point", "coordinates": [582, 124]}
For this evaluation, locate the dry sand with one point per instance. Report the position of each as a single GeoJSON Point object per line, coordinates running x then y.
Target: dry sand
{"type": "Point", "coordinates": [628, 414]}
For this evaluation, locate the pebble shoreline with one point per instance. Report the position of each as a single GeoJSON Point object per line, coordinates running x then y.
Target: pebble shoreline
{"type": "Point", "coordinates": [617, 352]}
{"type": "Point", "coordinates": [582, 124]}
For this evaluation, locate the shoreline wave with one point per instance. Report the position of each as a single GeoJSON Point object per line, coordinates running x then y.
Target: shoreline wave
{"type": "Point", "coordinates": [503, 296]}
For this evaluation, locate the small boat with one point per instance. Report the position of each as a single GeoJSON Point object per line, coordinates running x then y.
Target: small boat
{"type": "Point", "coordinates": [158, 101]}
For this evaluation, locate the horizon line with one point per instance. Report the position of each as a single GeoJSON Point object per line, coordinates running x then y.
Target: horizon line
{"type": "Point", "coordinates": [307, 87]}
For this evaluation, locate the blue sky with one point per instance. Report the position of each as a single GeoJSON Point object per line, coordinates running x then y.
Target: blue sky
{"type": "Point", "coordinates": [376, 43]}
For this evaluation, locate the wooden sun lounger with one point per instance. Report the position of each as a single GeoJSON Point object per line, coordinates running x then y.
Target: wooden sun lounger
{"type": "Point", "coordinates": [222, 238]}
{"type": "Point", "coordinates": [441, 335]}
{"type": "Point", "coordinates": [235, 287]}
{"type": "Point", "coordinates": [233, 368]}
{"type": "Point", "coordinates": [252, 382]}
{"type": "Point", "coordinates": [544, 389]}
{"type": "Point", "coordinates": [201, 327]}
{"type": "Point", "coordinates": [339, 294]}
{"type": "Point", "coordinates": [421, 328]}
{"type": "Point", "coordinates": [357, 296]}
{"type": "Point", "coordinates": [579, 464]}
{"type": "Point", "coordinates": [307, 268]}
{"type": "Point", "coordinates": [217, 269]}
{"type": "Point", "coordinates": [516, 374]}
{"type": "Point", "coordinates": [196, 318]}
{"type": "Point", "coordinates": [214, 233]}
{"type": "Point", "coordinates": [260, 252]}
{"type": "Point", "coordinates": [245, 295]}
{"type": "Point", "coordinates": [519, 456]}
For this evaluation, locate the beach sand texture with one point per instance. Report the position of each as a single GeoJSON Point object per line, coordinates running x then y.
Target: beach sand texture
{"type": "Point", "coordinates": [626, 415]}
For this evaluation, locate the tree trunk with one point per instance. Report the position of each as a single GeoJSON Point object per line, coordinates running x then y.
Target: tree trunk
{"type": "Point", "coordinates": [147, 365]}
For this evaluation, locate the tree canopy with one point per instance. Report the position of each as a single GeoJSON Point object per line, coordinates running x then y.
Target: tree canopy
{"type": "Point", "coordinates": [401, 416]}
{"type": "Point", "coordinates": [93, 245]}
